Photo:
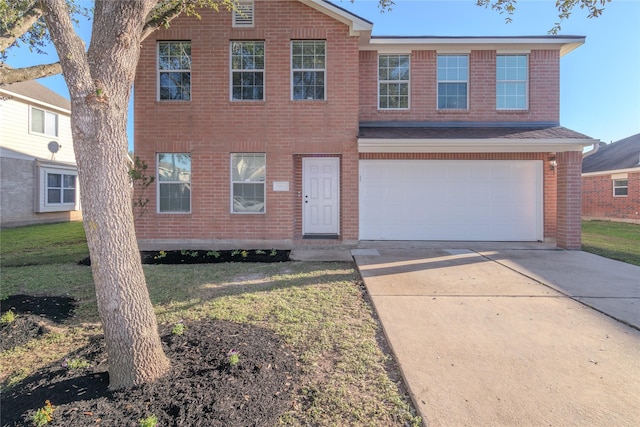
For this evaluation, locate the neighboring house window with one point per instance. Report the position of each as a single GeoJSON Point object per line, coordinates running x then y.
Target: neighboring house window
{"type": "Point", "coordinates": [61, 189]}
{"type": "Point", "coordinates": [308, 69]}
{"type": "Point", "coordinates": [247, 71]}
{"type": "Point", "coordinates": [243, 14]}
{"type": "Point", "coordinates": [57, 188]}
{"type": "Point", "coordinates": [453, 79]}
{"type": "Point", "coordinates": [248, 176]}
{"type": "Point", "coordinates": [620, 187]}
{"type": "Point", "coordinates": [174, 68]}
{"type": "Point", "coordinates": [511, 82]}
{"type": "Point", "coordinates": [393, 81]}
{"type": "Point", "coordinates": [174, 182]}
{"type": "Point", "coordinates": [44, 122]}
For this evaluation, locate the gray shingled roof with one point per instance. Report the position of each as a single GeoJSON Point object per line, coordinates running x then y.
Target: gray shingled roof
{"type": "Point", "coordinates": [623, 154]}
{"type": "Point", "coordinates": [38, 92]}
{"type": "Point", "coordinates": [468, 132]}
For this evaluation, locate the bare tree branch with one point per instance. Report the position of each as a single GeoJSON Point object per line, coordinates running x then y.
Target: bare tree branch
{"type": "Point", "coordinates": [14, 75]}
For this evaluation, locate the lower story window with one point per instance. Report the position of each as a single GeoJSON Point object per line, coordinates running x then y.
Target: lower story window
{"type": "Point", "coordinates": [174, 182]}
{"type": "Point", "coordinates": [61, 189]}
{"type": "Point", "coordinates": [57, 187]}
{"type": "Point", "coordinates": [248, 176]}
{"type": "Point", "coordinates": [620, 187]}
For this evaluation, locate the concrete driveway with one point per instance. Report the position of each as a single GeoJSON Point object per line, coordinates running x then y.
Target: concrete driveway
{"type": "Point", "coordinates": [499, 334]}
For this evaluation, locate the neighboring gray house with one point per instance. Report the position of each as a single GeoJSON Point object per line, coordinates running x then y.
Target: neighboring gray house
{"type": "Point", "coordinates": [611, 182]}
{"type": "Point", "coordinates": [38, 173]}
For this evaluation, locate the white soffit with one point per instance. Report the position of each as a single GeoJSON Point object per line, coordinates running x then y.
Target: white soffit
{"type": "Point", "coordinates": [490, 145]}
{"type": "Point", "coordinates": [613, 172]}
{"type": "Point", "coordinates": [453, 44]}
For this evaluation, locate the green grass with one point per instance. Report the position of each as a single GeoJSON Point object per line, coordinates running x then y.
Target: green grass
{"type": "Point", "coordinates": [43, 244]}
{"type": "Point", "coordinates": [615, 240]}
{"type": "Point", "coordinates": [318, 308]}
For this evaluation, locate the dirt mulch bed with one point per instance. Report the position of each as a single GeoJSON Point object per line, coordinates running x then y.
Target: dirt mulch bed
{"type": "Point", "coordinates": [33, 314]}
{"type": "Point", "coordinates": [203, 388]}
{"type": "Point", "coordinates": [191, 256]}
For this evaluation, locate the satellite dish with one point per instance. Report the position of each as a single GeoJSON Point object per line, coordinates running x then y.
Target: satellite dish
{"type": "Point", "coordinates": [54, 147]}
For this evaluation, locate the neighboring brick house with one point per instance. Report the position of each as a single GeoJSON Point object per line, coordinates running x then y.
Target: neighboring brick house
{"type": "Point", "coordinates": [611, 182]}
{"type": "Point", "coordinates": [289, 124]}
{"type": "Point", "coordinates": [37, 164]}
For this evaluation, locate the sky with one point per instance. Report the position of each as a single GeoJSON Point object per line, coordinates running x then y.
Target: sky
{"type": "Point", "coordinates": [599, 81]}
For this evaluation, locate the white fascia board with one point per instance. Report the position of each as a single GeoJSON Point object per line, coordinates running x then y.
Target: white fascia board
{"type": "Point", "coordinates": [29, 100]}
{"type": "Point", "coordinates": [491, 145]}
{"type": "Point", "coordinates": [356, 24]}
{"type": "Point", "coordinates": [454, 44]}
{"type": "Point", "coordinates": [612, 172]}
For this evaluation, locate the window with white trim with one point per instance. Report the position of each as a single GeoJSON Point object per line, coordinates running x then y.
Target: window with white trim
{"type": "Point", "coordinates": [511, 82]}
{"type": "Point", "coordinates": [247, 71]}
{"type": "Point", "coordinates": [57, 188]}
{"type": "Point", "coordinates": [174, 71]}
{"type": "Point", "coordinates": [308, 62]}
{"type": "Point", "coordinates": [393, 82]}
{"type": "Point", "coordinates": [453, 82]}
{"type": "Point", "coordinates": [620, 187]}
{"type": "Point", "coordinates": [174, 182]}
{"type": "Point", "coordinates": [43, 122]}
{"type": "Point", "coordinates": [248, 176]}
{"type": "Point", "coordinates": [243, 14]}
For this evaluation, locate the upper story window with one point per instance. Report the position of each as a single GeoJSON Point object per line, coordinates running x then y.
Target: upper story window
{"type": "Point", "coordinates": [248, 176]}
{"type": "Point", "coordinates": [44, 122]}
{"type": "Point", "coordinates": [453, 82]}
{"type": "Point", "coordinates": [393, 82]}
{"type": "Point", "coordinates": [620, 187]}
{"type": "Point", "coordinates": [243, 14]}
{"type": "Point", "coordinates": [174, 182]}
{"type": "Point", "coordinates": [511, 82]}
{"type": "Point", "coordinates": [308, 59]}
{"type": "Point", "coordinates": [174, 71]}
{"type": "Point", "coordinates": [247, 71]}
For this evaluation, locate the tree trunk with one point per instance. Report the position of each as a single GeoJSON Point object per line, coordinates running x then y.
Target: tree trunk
{"type": "Point", "coordinates": [99, 82]}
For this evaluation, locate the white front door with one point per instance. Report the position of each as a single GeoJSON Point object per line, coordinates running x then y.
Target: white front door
{"type": "Point", "coordinates": [320, 195]}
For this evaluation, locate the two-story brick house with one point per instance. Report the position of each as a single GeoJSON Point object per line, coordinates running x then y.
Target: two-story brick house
{"type": "Point", "coordinates": [288, 123]}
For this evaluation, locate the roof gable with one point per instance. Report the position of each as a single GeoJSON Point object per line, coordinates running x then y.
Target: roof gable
{"type": "Point", "coordinates": [623, 154]}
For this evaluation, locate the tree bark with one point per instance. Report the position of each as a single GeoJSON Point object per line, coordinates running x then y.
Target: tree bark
{"type": "Point", "coordinates": [99, 83]}
{"type": "Point", "coordinates": [12, 75]}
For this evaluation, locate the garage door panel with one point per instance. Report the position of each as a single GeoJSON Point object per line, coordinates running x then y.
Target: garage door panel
{"type": "Point", "coordinates": [450, 200]}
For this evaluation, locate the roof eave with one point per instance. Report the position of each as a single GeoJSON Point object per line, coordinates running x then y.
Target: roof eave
{"type": "Point", "coordinates": [488, 145]}
{"type": "Point", "coordinates": [357, 26]}
{"type": "Point", "coordinates": [612, 171]}
{"type": "Point", "coordinates": [34, 101]}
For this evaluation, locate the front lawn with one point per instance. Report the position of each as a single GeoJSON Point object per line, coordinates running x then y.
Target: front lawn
{"type": "Point", "coordinates": [615, 240]}
{"type": "Point", "coordinates": [317, 308]}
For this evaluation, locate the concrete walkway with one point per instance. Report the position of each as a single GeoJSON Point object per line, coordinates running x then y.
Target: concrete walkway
{"type": "Point", "coordinates": [491, 336]}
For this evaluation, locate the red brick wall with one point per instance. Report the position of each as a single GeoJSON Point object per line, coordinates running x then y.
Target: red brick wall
{"type": "Point", "coordinates": [544, 90]}
{"type": "Point", "coordinates": [210, 127]}
{"type": "Point", "coordinates": [598, 200]}
{"type": "Point", "coordinates": [569, 200]}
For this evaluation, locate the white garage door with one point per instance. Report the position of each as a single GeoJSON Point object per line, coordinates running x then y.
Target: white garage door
{"type": "Point", "coordinates": [476, 200]}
